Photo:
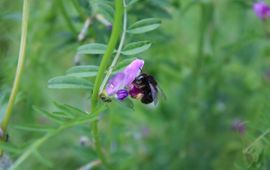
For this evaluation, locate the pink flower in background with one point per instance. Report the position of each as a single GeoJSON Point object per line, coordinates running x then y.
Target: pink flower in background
{"type": "Point", "coordinates": [262, 10]}
{"type": "Point", "coordinates": [239, 126]}
{"type": "Point", "coordinates": [120, 83]}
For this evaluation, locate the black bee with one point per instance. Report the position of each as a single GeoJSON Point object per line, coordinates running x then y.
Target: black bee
{"type": "Point", "coordinates": [147, 86]}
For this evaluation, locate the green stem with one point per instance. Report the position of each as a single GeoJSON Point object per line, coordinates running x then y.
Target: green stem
{"type": "Point", "coordinates": [66, 17]}
{"type": "Point", "coordinates": [101, 72]}
{"type": "Point", "coordinates": [111, 46]}
{"type": "Point", "coordinates": [257, 140]}
{"type": "Point", "coordinates": [120, 47]}
{"type": "Point", "coordinates": [21, 59]}
{"type": "Point", "coordinates": [202, 29]}
{"type": "Point", "coordinates": [79, 9]}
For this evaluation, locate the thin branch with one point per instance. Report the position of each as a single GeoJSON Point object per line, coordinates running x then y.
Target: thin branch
{"type": "Point", "coordinates": [103, 20]}
{"type": "Point", "coordinates": [85, 27]}
{"type": "Point", "coordinates": [90, 165]}
{"type": "Point", "coordinates": [116, 31]}
{"type": "Point", "coordinates": [256, 141]}
{"type": "Point", "coordinates": [81, 36]}
{"type": "Point", "coordinates": [79, 9]}
{"type": "Point", "coordinates": [21, 60]}
{"type": "Point", "coordinates": [120, 47]}
{"type": "Point", "coordinates": [66, 17]}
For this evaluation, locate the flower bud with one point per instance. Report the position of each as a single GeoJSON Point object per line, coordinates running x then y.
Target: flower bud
{"type": "Point", "coordinates": [121, 94]}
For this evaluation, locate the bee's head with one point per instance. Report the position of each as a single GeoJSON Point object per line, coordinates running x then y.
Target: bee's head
{"type": "Point", "coordinates": [139, 80]}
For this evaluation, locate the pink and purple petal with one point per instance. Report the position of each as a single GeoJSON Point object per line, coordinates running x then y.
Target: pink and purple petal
{"type": "Point", "coordinates": [115, 83]}
{"type": "Point", "coordinates": [132, 71]}
{"type": "Point", "coordinates": [123, 80]}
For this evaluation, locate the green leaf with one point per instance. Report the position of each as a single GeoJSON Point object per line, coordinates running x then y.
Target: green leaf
{"type": "Point", "coordinates": [123, 63]}
{"type": "Point", "coordinates": [92, 48]}
{"type": "Point", "coordinates": [136, 47]}
{"type": "Point", "coordinates": [49, 115]}
{"type": "Point", "coordinates": [144, 25]}
{"type": "Point", "coordinates": [9, 147]}
{"type": "Point", "coordinates": [71, 82]}
{"type": "Point", "coordinates": [70, 110]}
{"type": "Point", "coordinates": [33, 128]}
{"type": "Point", "coordinates": [62, 108]}
{"type": "Point", "coordinates": [131, 2]}
{"type": "Point", "coordinates": [62, 115]}
{"type": "Point", "coordinates": [41, 159]}
{"type": "Point", "coordinates": [83, 71]}
{"type": "Point", "coordinates": [106, 10]}
{"type": "Point", "coordinates": [127, 103]}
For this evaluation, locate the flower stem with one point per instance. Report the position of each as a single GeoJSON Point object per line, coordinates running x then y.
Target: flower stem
{"type": "Point", "coordinates": [66, 17]}
{"type": "Point", "coordinates": [21, 59]}
{"type": "Point", "coordinates": [257, 140]}
{"type": "Point", "coordinates": [100, 75]}
{"type": "Point", "coordinates": [111, 46]}
{"type": "Point", "coordinates": [202, 30]}
{"type": "Point", "coordinates": [79, 9]}
{"type": "Point", "coordinates": [120, 47]}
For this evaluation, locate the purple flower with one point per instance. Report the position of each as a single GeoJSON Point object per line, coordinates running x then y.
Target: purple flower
{"type": "Point", "coordinates": [239, 126]}
{"type": "Point", "coordinates": [115, 83]}
{"type": "Point", "coordinates": [132, 71]}
{"type": "Point", "coordinates": [120, 83]}
{"type": "Point", "coordinates": [262, 10]}
{"type": "Point", "coordinates": [121, 94]}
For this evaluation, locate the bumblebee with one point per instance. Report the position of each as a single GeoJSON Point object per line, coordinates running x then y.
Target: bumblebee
{"type": "Point", "coordinates": [145, 88]}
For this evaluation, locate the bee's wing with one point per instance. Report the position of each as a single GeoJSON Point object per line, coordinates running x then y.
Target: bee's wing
{"type": "Point", "coordinates": [154, 93]}
{"type": "Point", "coordinates": [162, 94]}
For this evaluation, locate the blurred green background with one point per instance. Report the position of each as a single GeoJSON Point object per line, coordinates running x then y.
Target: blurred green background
{"type": "Point", "coordinates": [210, 57]}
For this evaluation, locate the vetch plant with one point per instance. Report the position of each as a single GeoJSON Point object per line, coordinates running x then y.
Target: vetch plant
{"type": "Point", "coordinates": [212, 63]}
{"type": "Point", "coordinates": [118, 79]}
{"type": "Point", "coordinates": [120, 83]}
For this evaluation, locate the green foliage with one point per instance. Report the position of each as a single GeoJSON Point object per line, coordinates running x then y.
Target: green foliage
{"type": "Point", "coordinates": [83, 71]}
{"type": "Point", "coordinates": [144, 25]}
{"type": "Point", "coordinates": [136, 47]}
{"type": "Point", "coordinates": [62, 82]}
{"type": "Point", "coordinates": [210, 57]}
{"type": "Point", "coordinates": [93, 48]}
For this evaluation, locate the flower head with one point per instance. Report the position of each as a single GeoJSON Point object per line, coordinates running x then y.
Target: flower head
{"type": "Point", "coordinates": [239, 126]}
{"type": "Point", "coordinates": [261, 9]}
{"type": "Point", "coordinates": [120, 83]}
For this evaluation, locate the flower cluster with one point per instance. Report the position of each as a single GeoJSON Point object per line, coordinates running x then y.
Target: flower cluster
{"type": "Point", "coordinates": [120, 85]}
{"type": "Point", "coordinates": [262, 10]}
